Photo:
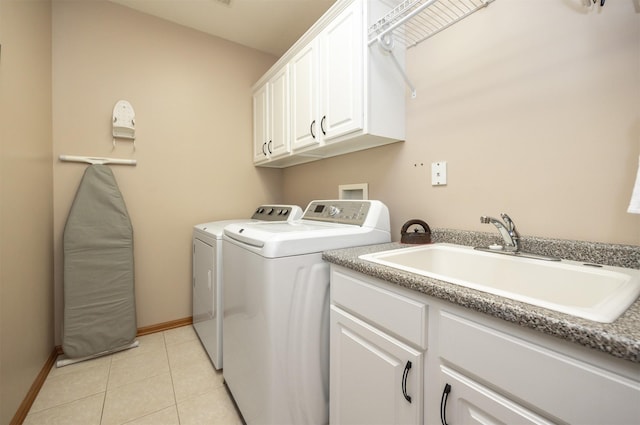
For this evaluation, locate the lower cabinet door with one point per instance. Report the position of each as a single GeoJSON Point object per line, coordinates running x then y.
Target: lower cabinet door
{"type": "Point", "coordinates": [374, 379]}
{"type": "Point", "coordinates": [464, 401]}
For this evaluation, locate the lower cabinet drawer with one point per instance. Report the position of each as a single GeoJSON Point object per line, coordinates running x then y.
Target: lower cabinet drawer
{"type": "Point", "coordinates": [398, 315]}
{"type": "Point", "coordinates": [560, 387]}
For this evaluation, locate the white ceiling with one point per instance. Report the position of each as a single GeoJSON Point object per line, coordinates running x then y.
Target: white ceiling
{"type": "Point", "coordinates": [270, 26]}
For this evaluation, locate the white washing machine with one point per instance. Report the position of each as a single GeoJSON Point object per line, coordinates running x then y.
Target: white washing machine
{"type": "Point", "coordinates": [207, 274]}
{"type": "Point", "coordinates": [276, 309]}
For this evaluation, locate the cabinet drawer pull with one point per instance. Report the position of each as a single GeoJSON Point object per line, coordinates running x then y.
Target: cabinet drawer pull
{"type": "Point", "coordinates": [407, 367]}
{"type": "Point", "coordinates": [311, 127]}
{"type": "Point", "coordinates": [324, 118]}
{"type": "Point", "coordinates": [443, 404]}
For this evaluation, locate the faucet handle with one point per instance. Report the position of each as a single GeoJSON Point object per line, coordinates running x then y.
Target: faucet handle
{"type": "Point", "coordinates": [507, 220]}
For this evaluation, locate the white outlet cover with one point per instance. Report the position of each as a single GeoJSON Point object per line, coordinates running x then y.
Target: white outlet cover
{"type": "Point", "coordinates": [439, 173]}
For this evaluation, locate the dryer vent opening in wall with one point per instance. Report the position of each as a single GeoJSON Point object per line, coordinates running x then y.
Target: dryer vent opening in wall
{"type": "Point", "coordinates": [359, 191]}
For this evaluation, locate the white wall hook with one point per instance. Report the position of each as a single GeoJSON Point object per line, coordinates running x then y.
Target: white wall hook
{"type": "Point", "coordinates": [124, 121]}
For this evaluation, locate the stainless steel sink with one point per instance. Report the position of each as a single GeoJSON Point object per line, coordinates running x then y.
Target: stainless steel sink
{"type": "Point", "coordinates": [599, 293]}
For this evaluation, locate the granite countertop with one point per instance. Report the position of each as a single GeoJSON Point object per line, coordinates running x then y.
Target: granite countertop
{"type": "Point", "coordinates": [620, 338]}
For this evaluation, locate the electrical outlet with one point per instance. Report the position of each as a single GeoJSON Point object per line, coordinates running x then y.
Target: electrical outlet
{"type": "Point", "coordinates": [439, 173]}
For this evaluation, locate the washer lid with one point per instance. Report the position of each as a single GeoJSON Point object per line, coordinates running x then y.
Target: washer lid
{"type": "Point", "coordinates": [216, 228]}
{"type": "Point", "coordinates": [300, 237]}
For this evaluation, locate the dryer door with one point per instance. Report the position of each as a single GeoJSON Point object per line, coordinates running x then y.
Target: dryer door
{"type": "Point", "coordinates": [204, 296]}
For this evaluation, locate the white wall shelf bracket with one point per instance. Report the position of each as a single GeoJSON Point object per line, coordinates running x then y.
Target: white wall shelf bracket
{"type": "Point", "coordinates": [413, 21]}
{"type": "Point", "coordinates": [387, 46]}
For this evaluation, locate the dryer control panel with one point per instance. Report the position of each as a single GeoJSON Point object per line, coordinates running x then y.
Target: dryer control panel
{"type": "Point", "coordinates": [338, 211]}
{"type": "Point", "coordinates": [277, 213]}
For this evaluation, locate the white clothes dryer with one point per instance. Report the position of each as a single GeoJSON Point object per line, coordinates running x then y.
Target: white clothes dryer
{"type": "Point", "coordinates": [207, 274]}
{"type": "Point", "coordinates": [276, 308]}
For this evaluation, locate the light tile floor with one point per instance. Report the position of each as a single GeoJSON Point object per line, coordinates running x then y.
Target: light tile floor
{"type": "Point", "coordinates": [167, 380]}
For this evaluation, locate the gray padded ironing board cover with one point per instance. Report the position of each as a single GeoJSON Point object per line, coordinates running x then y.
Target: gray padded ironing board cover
{"type": "Point", "coordinates": [99, 299]}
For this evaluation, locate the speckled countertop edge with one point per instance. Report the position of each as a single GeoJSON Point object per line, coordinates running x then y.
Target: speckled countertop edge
{"type": "Point", "coordinates": [620, 338]}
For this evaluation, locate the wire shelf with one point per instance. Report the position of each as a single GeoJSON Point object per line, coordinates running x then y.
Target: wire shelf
{"type": "Point", "coordinates": [413, 21]}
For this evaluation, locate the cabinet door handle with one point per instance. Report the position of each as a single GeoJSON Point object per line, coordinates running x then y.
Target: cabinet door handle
{"type": "Point", "coordinates": [269, 146]}
{"type": "Point", "coordinates": [407, 367]}
{"type": "Point", "coordinates": [443, 404]}
{"type": "Point", "coordinates": [264, 145]}
{"type": "Point", "coordinates": [324, 118]}
{"type": "Point", "coordinates": [313, 124]}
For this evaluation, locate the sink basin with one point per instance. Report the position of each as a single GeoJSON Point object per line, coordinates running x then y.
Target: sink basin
{"type": "Point", "coordinates": [599, 293]}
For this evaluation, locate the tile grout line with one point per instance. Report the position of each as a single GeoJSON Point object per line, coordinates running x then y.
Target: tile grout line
{"type": "Point", "coordinates": [173, 389]}
{"type": "Point", "coordinates": [104, 399]}
{"type": "Point", "coordinates": [62, 404]}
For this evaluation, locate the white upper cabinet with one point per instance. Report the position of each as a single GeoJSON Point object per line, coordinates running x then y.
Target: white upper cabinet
{"type": "Point", "coordinates": [280, 114]}
{"type": "Point", "coordinates": [326, 82]}
{"type": "Point", "coordinates": [343, 97]}
{"type": "Point", "coordinates": [271, 118]}
{"type": "Point", "coordinates": [261, 132]}
{"type": "Point", "coordinates": [304, 97]}
{"type": "Point", "coordinates": [341, 74]}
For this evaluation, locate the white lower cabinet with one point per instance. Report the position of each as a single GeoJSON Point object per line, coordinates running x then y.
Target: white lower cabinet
{"type": "Point", "coordinates": [477, 369]}
{"type": "Point", "coordinates": [376, 356]}
{"type": "Point", "coordinates": [544, 378]}
{"type": "Point", "coordinates": [375, 379]}
{"type": "Point", "coordinates": [464, 401]}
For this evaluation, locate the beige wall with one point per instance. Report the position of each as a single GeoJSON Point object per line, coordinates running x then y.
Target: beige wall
{"type": "Point", "coordinates": [535, 109]}
{"type": "Point", "coordinates": [192, 97]}
{"type": "Point", "coordinates": [535, 105]}
{"type": "Point", "coordinates": [26, 202]}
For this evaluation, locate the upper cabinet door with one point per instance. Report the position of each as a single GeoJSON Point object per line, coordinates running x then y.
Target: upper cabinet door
{"type": "Point", "coordinates": [342, 89]}
{"type": "Point", "coordinates": [260, 123]}
{"type": "Point", "coordinates": [271, 115]}
{"type": "Point", "coordinates": [305, 126]}
{"type": "Point", "coordinates": [278, 143]}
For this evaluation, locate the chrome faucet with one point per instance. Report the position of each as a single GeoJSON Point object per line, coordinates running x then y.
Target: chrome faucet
{"type": "Point", "coordinates": [507, 231]}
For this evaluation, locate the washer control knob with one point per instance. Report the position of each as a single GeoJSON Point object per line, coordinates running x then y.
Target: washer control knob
{"type": "Point", "coordinates": [334, 211]}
